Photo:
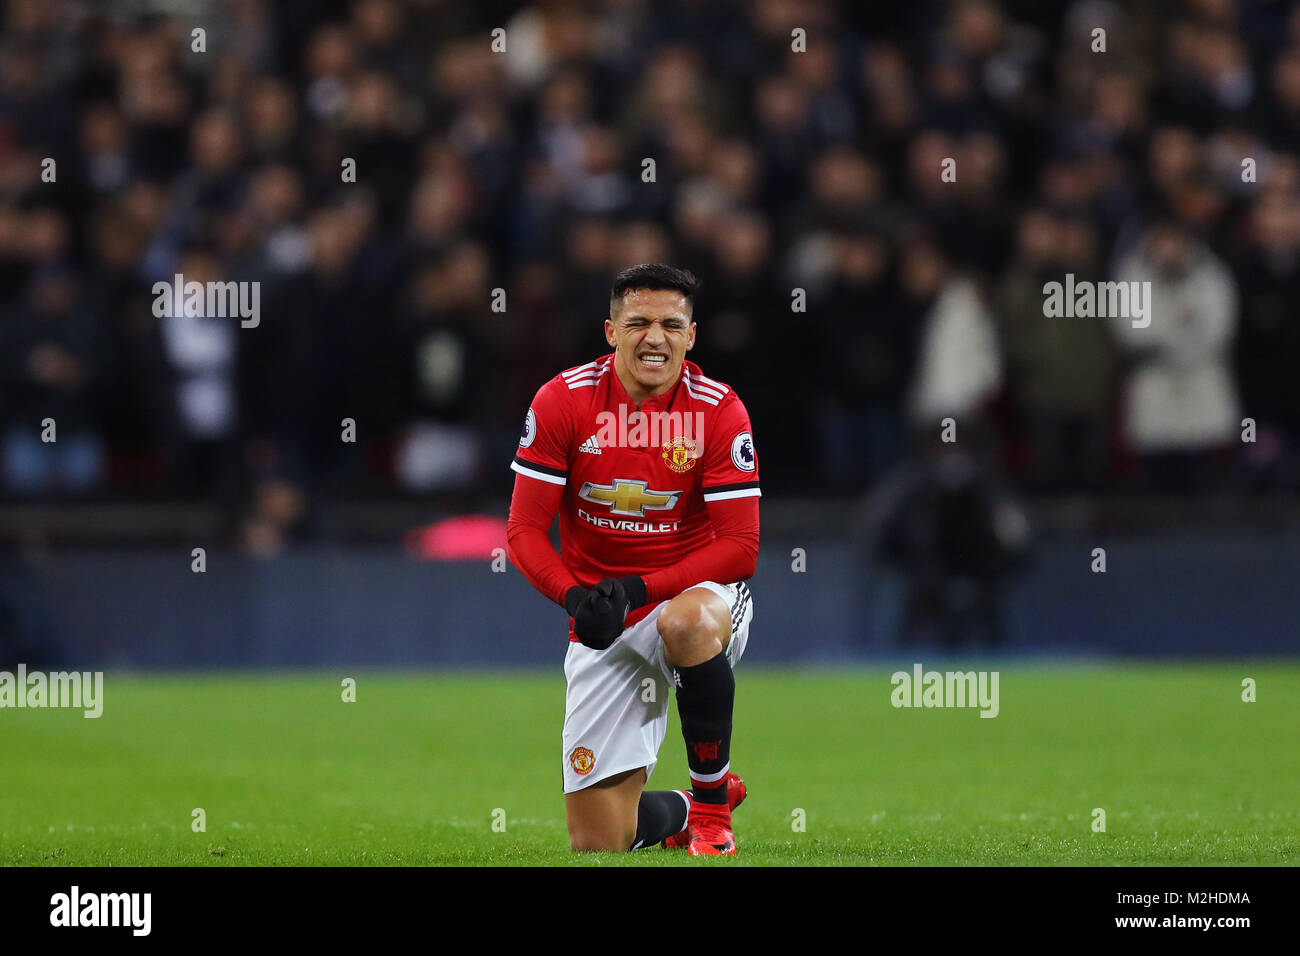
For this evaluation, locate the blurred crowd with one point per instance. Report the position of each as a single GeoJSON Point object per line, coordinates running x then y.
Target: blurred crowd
{"type": "Point", "coordinates": [853, 294]}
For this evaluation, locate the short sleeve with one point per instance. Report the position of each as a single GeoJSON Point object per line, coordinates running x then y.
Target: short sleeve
{"type": "Point", "coordinates": [547, 436]}
{"type": "Point", "coordinates": [730, 462]}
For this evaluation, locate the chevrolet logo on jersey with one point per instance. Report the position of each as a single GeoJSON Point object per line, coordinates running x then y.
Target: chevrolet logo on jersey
{"type": "Point", "coordinates": [626, 497]}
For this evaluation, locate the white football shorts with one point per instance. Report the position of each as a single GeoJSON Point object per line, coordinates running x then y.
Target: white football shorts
{"type": "Point", "coordinates": [616, 702]}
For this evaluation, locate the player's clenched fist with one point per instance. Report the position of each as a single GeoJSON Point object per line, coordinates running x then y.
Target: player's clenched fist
{"type": "Point", "coordinates": [599, 613]}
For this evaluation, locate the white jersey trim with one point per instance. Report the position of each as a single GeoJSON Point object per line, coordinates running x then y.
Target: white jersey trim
{"type": "Point", "coordinates": [701, 396]}
{"type": "Point", "coordinates": [701, 385]}
{"type": "Point", "coordinates": [725, 495]}
{"type": "Point", "coordinates": [703, 379]}
{"type": "Point", "coordinates": [540, 476]}
{"type": "Point", "coordinates": [585, 379]}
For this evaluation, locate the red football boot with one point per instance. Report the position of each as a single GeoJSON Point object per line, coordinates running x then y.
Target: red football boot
{"type": "Point", "coordinates": [735, 797]}
{"type": "Point", "coordinates": [710, 830]}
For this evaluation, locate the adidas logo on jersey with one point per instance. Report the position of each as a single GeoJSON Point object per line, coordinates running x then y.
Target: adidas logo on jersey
{"type": "Point", "coordinates": [590, 446]}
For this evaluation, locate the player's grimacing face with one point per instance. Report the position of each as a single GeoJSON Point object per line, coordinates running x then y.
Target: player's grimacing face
{"type": "Point", "coordinates": [651, 335]}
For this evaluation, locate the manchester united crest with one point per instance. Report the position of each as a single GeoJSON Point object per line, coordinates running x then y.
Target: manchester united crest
{"type": "Point", "coordinates": [582, 760]}
{"type": "Point", "coordinates": [680, 454]}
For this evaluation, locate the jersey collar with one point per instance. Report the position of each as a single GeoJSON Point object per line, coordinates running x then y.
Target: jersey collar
{"type": "Point", "coordinates": [654, 401]}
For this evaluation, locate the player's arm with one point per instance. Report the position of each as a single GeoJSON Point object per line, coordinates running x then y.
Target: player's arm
{"type": "Point", "coordinates": [731, 556]}
{"type": "Point", "coordinates": [533, 507]}
{"type": "Point", "coordinates": [541, 469]}
{"type": "Point", "coordinates": [598, 614]}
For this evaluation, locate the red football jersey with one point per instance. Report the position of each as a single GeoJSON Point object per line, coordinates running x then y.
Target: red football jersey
{"type": "Point", "coordinates": [637, 484]}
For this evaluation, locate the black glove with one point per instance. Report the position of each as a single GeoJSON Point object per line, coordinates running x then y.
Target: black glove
{"type": "Point", "coordinates": [598, 615]}
{"type": "Point", "coordinates": [573, 598]}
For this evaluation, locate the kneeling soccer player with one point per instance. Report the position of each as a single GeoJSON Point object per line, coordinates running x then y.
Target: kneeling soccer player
{"type": "Point", "coordinates": [651, 468]}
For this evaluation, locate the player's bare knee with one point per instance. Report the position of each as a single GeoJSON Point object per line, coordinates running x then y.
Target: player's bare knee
{"type": "Point", "coordinates": [694, 625]}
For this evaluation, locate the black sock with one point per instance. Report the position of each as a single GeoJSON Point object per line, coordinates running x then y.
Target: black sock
{"type": "Point", "coordinates": [705, 694]}
{"type": "Point", "coordinates": [659, 815]}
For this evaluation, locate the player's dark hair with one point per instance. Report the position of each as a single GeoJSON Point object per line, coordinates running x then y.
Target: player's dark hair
{"type": "Point", "coordinates": [655, 275]}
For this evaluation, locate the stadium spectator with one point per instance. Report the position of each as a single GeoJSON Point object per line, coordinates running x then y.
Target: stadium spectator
{"type": "Point", "coordinates": [201, 357]}
{"type": "Point", "coordinates": [959, 363]}
{"type": "Point", "coordinates": [1268, 269]}
{"type": "Point", "coordinates": [50, 362]}
{"type": "Point", "coordinates": [1179, 401]}
{"type": "Point", "coordinates": [865, 359]}
{"type": "Point", "coordinates": [1060, 370]}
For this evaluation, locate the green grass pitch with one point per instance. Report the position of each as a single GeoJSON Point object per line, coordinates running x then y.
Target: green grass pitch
{"type": "Point", "coordinates": [412, 772]}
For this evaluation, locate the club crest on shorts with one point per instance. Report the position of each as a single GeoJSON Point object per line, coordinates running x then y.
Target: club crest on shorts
{"type": "Point", "coordinates": [582, 761]}
{"type": "Point", "coordinates": [679, 454]}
